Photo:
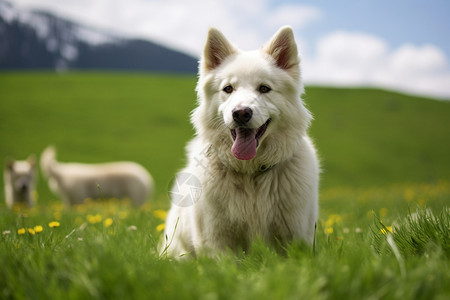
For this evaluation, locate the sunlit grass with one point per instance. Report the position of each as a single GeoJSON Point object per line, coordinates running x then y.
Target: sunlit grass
{"type": "Point", "coordinates": [378, 243]}
{"type": "Point", "coordinates": [378, 237]}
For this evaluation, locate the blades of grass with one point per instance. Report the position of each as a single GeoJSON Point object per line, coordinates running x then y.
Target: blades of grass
{"type": "Point", "coordinates": [166, 248]}
{"type": "Point", "coordinates": [397, 255]}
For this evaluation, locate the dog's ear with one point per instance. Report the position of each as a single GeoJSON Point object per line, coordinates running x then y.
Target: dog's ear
{"type": "Point", "coordinates": [9, 165]}
{"type": "Point", "coordinates": [217, 48]}
{"type": "Point", "coordinates": [32, 160]}
{"type": "Point", "coordinates": [283, 49]}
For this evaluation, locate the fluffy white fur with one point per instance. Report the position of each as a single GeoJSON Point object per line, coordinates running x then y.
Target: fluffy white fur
{"type": "Point", "coordinates": [75, 182]}
{"type": "Point", "coordinates": [20, 182]}
{"type": "Point", "coordinates": [274, 195]}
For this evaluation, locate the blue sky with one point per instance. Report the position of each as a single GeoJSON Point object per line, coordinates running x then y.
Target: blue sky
{"type": "Point", "coordinates": [397, 44]}
{"type": "Point", "coordinates": [396, 21]}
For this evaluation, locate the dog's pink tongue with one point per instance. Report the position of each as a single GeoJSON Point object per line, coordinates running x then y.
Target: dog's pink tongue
{"type": "Point", "coordinates": [244, 146]}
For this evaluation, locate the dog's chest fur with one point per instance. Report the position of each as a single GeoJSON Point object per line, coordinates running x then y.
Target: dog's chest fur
{"type": "Point", "coordinates": [241, 207]}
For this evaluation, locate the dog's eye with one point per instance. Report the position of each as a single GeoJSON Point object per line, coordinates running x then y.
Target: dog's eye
{"type": "Point", "coordinates": [263, 89]}
{"type": "Point", "coordinates": [228, 89]}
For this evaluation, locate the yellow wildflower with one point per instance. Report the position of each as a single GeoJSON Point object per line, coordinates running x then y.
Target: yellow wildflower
{"type": "Point", "coordinates": [384, 231]}
{"type": "Point", "coordinates": [38, 228]}
{"type": "Point", "coordinates": [161, 227]}
{"type": "Point", "coordinates": [94, 219]}
{"type": "Point", "coordinates": [53, 224]}
{"type": "Point", "coordinates": [21, 231]}
{"type": "Point", "coordinates": [160, 214]}
{"type": "Point", "coordinates": [333, 219]}
{"type": "Point", "coordinates": [328, 230]}
{"type": "Point", "coordinates": [31, 231]}
{"type": "Point", "coordinates": [108, 222]}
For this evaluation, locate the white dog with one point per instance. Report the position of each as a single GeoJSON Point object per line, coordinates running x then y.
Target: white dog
{"type": "Point", "coordinates": [20, 182]}
{"type": "Point", "coordinates": [75, 182]}
{"type": "Point", "coordinates": [252, 170]}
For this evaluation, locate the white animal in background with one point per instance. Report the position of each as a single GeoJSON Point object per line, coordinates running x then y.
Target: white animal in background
{"type": "Point", "coordinates": [76, 182]}
{"type": "Point", "coordinates": [252, 170]}
{"type": "Point", "coordinates": [20, 182]}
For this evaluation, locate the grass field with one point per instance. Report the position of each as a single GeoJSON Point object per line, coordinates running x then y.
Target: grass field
{"type": "Point", "coordinates": [384, 230]}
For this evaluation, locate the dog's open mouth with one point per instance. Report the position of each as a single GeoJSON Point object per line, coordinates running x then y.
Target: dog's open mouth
{"type": "Point", "coordinates": [246, 140]}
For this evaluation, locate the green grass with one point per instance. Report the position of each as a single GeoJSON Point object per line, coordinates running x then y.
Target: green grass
{"type": "Point", "coordinates": [84, 259]}
{"type": "Point", "coordinates": [372, 137]}
{"type": "Point", "coordinates": [97, 118]}
{"type": "Point", "coordinates": [385, 166]}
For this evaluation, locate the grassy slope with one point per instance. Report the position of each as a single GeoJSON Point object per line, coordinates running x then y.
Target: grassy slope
{"type": "Point", "coordinates": [365, 137]}
{"type": "Point", "coordinates": [374, 137]}
{"type": "Point", "coordinates": [383, 154]}
{"type": "Point", "coordinates": [97, 118]}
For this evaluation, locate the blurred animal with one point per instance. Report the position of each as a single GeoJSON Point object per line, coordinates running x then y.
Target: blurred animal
{"type": "Point", "coordinates": [252, 170]}
{"type": "Point", "coordinates": [75, 182]}
{"type": "Point", "coordinates": [20, 182]}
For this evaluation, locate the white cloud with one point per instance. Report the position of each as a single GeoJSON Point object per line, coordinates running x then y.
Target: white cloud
{"type": "Point", "coordinates": [298, 16]}
{"type": "Point", "coordinates": [357, 59]}
{"type": "Point", "coordinates": [345, 58]}
{"type": "Point", "coordinates": [340, 58]}
{"type": "Point", "coordinates": [183, 24]}
{"type": "Point", "coordinates": [411, 59]}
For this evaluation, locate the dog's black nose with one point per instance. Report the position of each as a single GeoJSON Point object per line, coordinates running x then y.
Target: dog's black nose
{"type": "Point", "coordinates": [242, 115]}
{"type": "Point", "coordinates": [23, 187]}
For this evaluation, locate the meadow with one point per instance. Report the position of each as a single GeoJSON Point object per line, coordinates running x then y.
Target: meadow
{"type": "Point", "coordinates": [384, 228]}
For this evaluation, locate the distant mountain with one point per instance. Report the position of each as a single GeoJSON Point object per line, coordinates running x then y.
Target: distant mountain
{"type": "Point", "coordinates": [39, 40]}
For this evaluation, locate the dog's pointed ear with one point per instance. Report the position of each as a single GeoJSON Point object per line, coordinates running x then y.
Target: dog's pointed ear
{"type": "Point", "coordinates": [32, 160]}
{"type": "Point", "coordinates": [9, 165]}
{"type": "Point", "coordinates": [217, 48]}
{"type": "Point", "coordinates": [283, 49]}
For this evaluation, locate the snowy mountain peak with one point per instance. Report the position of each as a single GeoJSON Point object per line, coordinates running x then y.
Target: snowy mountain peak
{"type": "Point", "coordinates": [33, 39]}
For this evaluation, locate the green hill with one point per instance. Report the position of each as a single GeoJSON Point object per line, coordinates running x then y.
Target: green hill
{"type": "Point", "coordinates": [372, 137]}
{"type": "Point", "coordinates": [365, 137]}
